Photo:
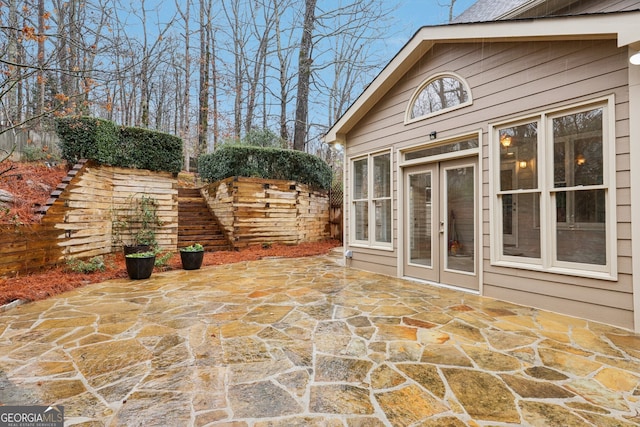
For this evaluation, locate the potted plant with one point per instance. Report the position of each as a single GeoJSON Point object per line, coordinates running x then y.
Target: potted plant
{"type": "Point", "coordinates": [191, 256]}
{"type": "Point", "coordinates": [140, 264]}
{"type": "Point", "coordinates": [134, 226]}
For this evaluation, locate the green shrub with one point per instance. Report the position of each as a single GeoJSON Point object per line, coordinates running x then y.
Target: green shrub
{"type": "Point", "coordinates": [268, 163]}
{"type": "Point", "coordinates": [89, 138]}
{"type": "Point", "coordinates": [91, 266]}
{"type": "Point", "coordinates": [109, 144]}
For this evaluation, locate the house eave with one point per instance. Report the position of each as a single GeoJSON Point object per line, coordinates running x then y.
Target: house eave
{"type": "Point", "coordinates": [620, 26]}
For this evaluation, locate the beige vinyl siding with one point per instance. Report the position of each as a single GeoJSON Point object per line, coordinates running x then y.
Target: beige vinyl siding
{"type": "Point", "coordinates": [509, 81]}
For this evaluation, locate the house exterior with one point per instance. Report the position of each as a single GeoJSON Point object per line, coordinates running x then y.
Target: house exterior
{"type": "Point", "coordinates": [495, 157]}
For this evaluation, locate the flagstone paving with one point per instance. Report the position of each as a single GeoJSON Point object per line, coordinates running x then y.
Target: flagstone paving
{"type": "Point", "coordinates": [309, 342]}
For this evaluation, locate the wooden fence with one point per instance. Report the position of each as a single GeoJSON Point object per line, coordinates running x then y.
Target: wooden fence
{"type": "Point", "coordinates": [78, 219]}
{"type": "Point", "coordinates": [252, 211]}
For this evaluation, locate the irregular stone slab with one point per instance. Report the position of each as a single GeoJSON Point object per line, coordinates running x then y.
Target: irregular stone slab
{"type": "Point", "coordinates": [339, 369]}
{"type": "Point", "coordinates": [102, 358]}
{"type": "Point", "coordinates": [482, 395]}
{"type": "Point", "coordinates": [296, 381]}
{"type": "Point", "coordinates": [443, 422]}
{"type": "Point", "coordinates": [617, 379]}
{"type": "Point", "coordinates": [544, 373]}
{"type": "Point", "coordinates": [257, 371]}
{"type": "Point", "coordinates": [154, 409]}
{"type": "Point", "coordinates": [491, 360]}
{"type": "Point", "coordinates": [267, 314]}
{"type": "Point", "coordinates": [566, 362]}
{"type": "Point", "coordinates": [535, 389]}
{"type": "Point", "coordinates": [359, 321]}
{"type": "Point", "coordinates": [595, 393]}
{"type": "Point", "coordinates": [408, 405]}
{"type": "Point", "coordinates": [602, 421]}
{"type": "Point", "coordinates": [463, 330]}
{"type": "Point", "coordinates": [57, 390]}
{"type": "Point", "coordinates": [364, 422]}
{"type": "Point", "coordinates": [593, 343]}
{"type": "Point", "coordinates": [396, 332]}
{"type": "Point", "coordinates": [261, 400]}
{"type": "Point", "coordinates": [425, 375]}
{"type": "Point", "coordinates": [239, 329]}
{"type": "Point", "coordinates": [546, 414]}
{"type": "Point", "coordinates": [508, 341]}
{"type": "Point", "coordinates": [627, 343]}
{"type": "Point", "coordinates": [445, 355]}
{"type": "Point", "coordinates": [308, 421]}
{"type": "Point", "coordinates": [404, 351]}
{"type": "Point", "coordinates": [393, 310]}
{"type": "Point", "coordinates": [410, 321]}
{"type": "Point", "coordinates": [244, 349]}
{"type": "Point", "coordinates": [340, 399]}
{"type": "Point", "coordinates": [385, 377]}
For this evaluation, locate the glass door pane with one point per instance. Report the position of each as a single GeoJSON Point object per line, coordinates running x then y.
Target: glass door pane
{"type": "Point", "coordinates": [460, 217]}
{"type": "Point", "coordinates": [420, 219]}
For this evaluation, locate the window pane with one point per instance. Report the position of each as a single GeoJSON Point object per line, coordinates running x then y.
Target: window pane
{"type": "Point", "coordinates": [520, 228]}
{"type": "Point", "coordinates": [383, 221]}
{"type": "Point", "coordinates": [578, 154]}
{"type": "Point", "coordinates": [361, 220]}
{"type": "Point", "coordinates": [441, 93]}
{"type": "Point", "coordinates": [582, 238]}
{"type": "Point", "coordinates": [420, 218]}
{"type": "Point", "coordinates": [519, 154]}
{"type": "Point", "coordinates": [443, 149]}
{"type": "Point", "coordinates": [360, 179]}
{"type": "Point", "coordinates": [460, 208]}
{"type": "Point", "coordinates": [382, 176]}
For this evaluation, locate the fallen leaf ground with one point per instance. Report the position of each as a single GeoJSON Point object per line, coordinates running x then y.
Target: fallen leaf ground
{"type": "Point", "coordinates": [31, 184]}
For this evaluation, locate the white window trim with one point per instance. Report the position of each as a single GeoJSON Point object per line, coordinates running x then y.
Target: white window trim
{"type": "Point", "coordinates": [418, 91]}
{"type": "Point", "coordinates": [547, 262]}
{"type": "Point", "coordinates": [371, 243]}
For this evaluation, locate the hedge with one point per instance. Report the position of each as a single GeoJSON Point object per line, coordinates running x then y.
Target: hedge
{"type": "Point", "coordinates": [268, 163]}
{"type": "Point", "coordinates": [110, 144]}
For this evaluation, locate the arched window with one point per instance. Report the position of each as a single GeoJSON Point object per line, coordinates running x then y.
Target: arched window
{"type": "Point", "coordinates": [440, 93]}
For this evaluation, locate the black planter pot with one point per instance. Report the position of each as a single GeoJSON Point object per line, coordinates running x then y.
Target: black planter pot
{"type": "Point", "coordinates": [135, 249]}
{"type": "Point", "coordinates": [140, 268]}
{"type": "Point", "coordinates": [191, 260]}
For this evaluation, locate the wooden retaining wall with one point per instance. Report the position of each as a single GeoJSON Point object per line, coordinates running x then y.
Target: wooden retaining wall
{"type": "Point", "coordinates": [78, 220]}
{"type": "Point", "coordinates": [255, 211]}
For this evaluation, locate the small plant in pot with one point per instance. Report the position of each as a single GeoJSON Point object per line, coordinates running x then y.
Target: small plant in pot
{"type": "Point", "coordinates": [140, 264]}
{"type": "Point", "coordinates": [192, 256]}
{"type": "Point", "coordinates": [134, 224]}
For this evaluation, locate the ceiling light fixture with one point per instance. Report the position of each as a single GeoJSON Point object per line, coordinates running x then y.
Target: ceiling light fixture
{"type": "Point", "coordinates": [635, 59]}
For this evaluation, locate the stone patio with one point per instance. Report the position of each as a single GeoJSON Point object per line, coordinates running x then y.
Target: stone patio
{"type": "Point", "coordinates": [309, 342]}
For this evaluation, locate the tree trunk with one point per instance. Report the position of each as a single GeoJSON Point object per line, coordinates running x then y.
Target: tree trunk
{"type": "Point", "coordinates": [304, 77]}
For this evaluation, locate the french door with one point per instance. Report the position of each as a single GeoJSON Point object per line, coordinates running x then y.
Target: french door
{"type": "Point", "coordinates": [440, 224]}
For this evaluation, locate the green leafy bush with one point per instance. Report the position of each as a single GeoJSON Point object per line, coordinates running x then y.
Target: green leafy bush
{"type": "Point", "coordinates": [88, 138]}
{"type": "Point", "coordinates": [196, 247]}
{"type": "Point", "coordinates": [268, 163]}
{"type": "Point", "coordinates": [91, 266]}
{"type": "Point", "coordinates": [109, 144]}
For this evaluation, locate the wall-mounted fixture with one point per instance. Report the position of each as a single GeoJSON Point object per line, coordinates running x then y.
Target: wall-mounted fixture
{"type": "Point", "coordinates": [635, 58]}
{"type": "Point", "coordinates": [433, 135]}
{"type": "Point", "coordinates": [522, 164]}
{"type": "Point", "coordinates": [505, 141]}
{"type": "Point", "coordinates": [580, 160]}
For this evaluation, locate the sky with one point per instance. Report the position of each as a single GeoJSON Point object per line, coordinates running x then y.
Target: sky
{"type": "Point", "coordinates": [414, 14]}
